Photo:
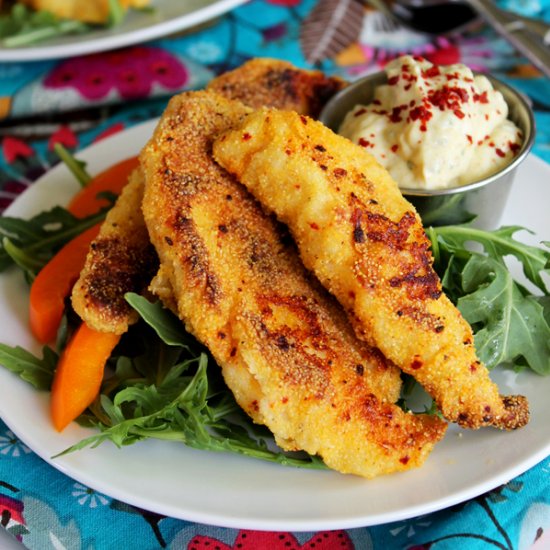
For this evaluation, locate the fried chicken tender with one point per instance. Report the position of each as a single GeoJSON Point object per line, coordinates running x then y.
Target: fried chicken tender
{"type": "Point", "coordinates": [121, 259]}
{"type": "Point", "coordinates": [285, 347]}
{"type": "Point", "coordinates": [99, 295]}
{"type": "Point", "coordinates": [367, 246]}
{"type": "Point", "coordinates": [265, 82]}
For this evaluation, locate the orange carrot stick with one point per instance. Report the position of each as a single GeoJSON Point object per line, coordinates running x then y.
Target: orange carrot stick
{"type": "Point", "coordinates": [54, 282]}
{"type": "Point", "coordinates": [113, 179]}
{"type": "Point", "coordinates": [79, 373]}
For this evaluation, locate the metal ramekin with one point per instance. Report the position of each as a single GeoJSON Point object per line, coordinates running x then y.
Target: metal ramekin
{"type": "Point", "coordinates": [482, 201]}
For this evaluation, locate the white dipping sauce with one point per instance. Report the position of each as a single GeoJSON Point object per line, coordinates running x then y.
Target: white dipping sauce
{"type": "Point", "coordinates": [435, 127]}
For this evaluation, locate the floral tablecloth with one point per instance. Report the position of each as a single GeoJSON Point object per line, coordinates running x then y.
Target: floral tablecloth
{"type": "Point", "coordinates": [78, 101]}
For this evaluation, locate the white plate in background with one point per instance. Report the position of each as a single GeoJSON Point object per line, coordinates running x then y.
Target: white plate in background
{"type": "Point", "coordinates": [168, 16]}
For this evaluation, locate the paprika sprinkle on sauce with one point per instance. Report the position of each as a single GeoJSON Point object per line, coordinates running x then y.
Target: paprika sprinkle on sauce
{"type": "Point", "coordinates": [435, 126]}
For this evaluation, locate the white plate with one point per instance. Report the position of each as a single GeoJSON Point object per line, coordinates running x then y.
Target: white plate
{"type": "Point", "coordinates": [169, 16]}
{"type": "Point", "coordinates": [234, 491]}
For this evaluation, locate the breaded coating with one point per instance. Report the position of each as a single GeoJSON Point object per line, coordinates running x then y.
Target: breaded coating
{"type": "Point", "coordinates": [367, 246]}
{"type": "Point", "coordinates": [284, 345]}
{"type": "Point", "coordinates": [259, 82]}
{"type": "Point", "coordinates": [121, 259]}
{"type": "Point", "coordinates": [270, 82]}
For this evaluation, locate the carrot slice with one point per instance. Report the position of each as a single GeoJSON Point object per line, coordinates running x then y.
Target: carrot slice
{"type": "Point", "coordinates": [79, 373]}
{"type": "Point", "coordinates": [113, 179]}
{"type": "Point", "coordinates": [54, 282]}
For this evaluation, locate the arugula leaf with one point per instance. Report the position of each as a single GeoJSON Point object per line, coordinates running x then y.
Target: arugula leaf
{"type": "Point", "coordinates": [23, 26]}
{"type": "Point", "coordinates": [31, 243]}
{"type": "Point", "coordinates": [76, 167]}
{"type": "Point", "coordinates": [116, 13]}
{"type": "Point", "coordinates": [187, 413]}
{"type": "Point", "coordinates": [167, 326]}
{"type": "Point", "coordinates": [510, 324]}
{"type": "Point", "coordinates": [498, 244]}
{"type": "Point", "coordinates": [34, 370]}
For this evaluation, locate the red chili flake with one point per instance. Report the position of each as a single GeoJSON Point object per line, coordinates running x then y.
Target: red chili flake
{"type": "Point", "coordinates": [405, 68]}
{"type": "Point", "coordinates": [486, 116]}
{"type": "Point", "coordinates": [420, 113]}
{"type": "Point", "coordinates": [416, 363]}
{"type": "Point", "coordinates": [491, 144]}
{"type": "Point", "coordinates": [313, 225]}
{"type": "Point", "coordinates": [284, 400]}
{"type": "Point", "coordinates": [451, 76]}
{"type": "Point", "coordinates": [340, 172]}
{"type": "Point", "coordinates": [246, 136]}
{"type": "Point", "coordinates": [404, 459]}
{"type": "Point", "coordinates": [408, 87]}
{"type": "Point", "coordinates": [303, 119]}
{"type": "Point", "coordinates": [392, 81]}
{"type": "Point", "coordinates": [418, 58]}
{"type": "Point", "coordinates": [469, 138]}
{"type": "Point", "coordinates": [481, 98]}
{"type": "Point", "coordinates": [395, 115]}
{"type": "Point", "coordinates": [365, 142]}
{"type": "Point", "coordinates": [500, 152]}
{"type": "Point", "coordinates": [376, 102]}
{"type": "Point", "coordinates": [458, 113]}
{"type": "Point", "coordinates": [514, 147]}
{"type": "Point", "coordinates": [448, 97]}
{"type": "Point", "coordinates": [288, 152]}
{"type": "Point", "coordinates": [431, 72]}
{"type": "Point", "coordinates": [360, 112]}
{"type": "Point", "coordinates": [394, 147]}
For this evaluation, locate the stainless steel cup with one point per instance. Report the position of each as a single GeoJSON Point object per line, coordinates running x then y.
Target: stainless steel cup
{"type": "Point", "coordinates": [482, 202]}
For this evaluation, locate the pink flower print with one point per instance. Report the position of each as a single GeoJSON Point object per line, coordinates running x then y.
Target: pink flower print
{"type": "Point", "coordinates": [14, 148]}
{"type": "Point", "coordinates": [94, 85]}
{"type": "Point", "coordinates": [285, 3]}
{"type": "Point", "coordinates": [131, 83]}
{"type": "Point", "coordinates": [130, 73]}
{"type": "Point", "coordinates": [251, 540]}
{"type": "Point", "coordinates": [11, 512]}
{"type": "Point", "coordinates": [65, 136]}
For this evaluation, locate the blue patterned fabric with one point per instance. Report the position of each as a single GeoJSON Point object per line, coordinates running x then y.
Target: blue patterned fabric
{"type": "Point", "coordinates": [46, 509]}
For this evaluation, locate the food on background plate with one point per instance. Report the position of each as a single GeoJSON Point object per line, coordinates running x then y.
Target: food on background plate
{"type": "Point", "coordinates": [90, 11]}
{"type": "Point", "coordinates": [285, 349]}
{"type": "Point", "coordinates": [26, 22]}
{"type": "Point", "coordinates": [366, 244]}
{"type": "Point", "coordinates": [434, 127]}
